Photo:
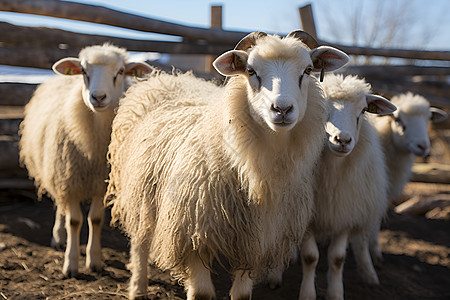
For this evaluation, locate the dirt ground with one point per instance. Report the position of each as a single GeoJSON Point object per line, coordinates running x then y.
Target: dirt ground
{"type": "Point", "coordinates": [416, 260]}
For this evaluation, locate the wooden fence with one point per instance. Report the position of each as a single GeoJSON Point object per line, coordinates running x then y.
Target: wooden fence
{"type": "Point", "coordinates": [41, 47]}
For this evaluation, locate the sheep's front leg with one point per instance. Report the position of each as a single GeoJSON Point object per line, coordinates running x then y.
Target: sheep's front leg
{"type": "Point", "coordinates": [310, 256]}
{"type": "Point", "coordinates": [199, 285]}
{"type": "Point", "coordinates": [360, 247]}
{"type": "Point", "coordinates": [374, 248]}
{"type": "Point", "coordinates": [275, 278]}
{"type": "Point", "coordinates": [93, 248]}
{"type": "Point", "coordinates": [74, 220]}
{"type": "Point", "coordinates": [242, 286]}
{"type": "Point", "coordinates": [59, 231]}
{"type": "Point", "coordinates": [336, 257]}
{"type": "Point", "coordinates": [138, 266]}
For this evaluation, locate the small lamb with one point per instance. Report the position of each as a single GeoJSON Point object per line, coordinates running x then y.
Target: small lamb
{"type": "Point", "coordinates": [64, 141]}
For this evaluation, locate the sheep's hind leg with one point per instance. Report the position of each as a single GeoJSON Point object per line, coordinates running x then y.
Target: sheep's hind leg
{"type": "Point", "coordinates": [93, 248]}
{"type": "Point", "coordinates": [242, 286]}
{"type": "Point", "coordinates": [74, 219]}
{"type": "Point", "coordinates": [199, 285]}
{"type": "Point", "coordinates": [310, 257]}
{"type": "Point", "coordinates": [59, 231]}
{"type": "Point", "coordinates": [139, 267]}
{"type": "Point", "coordinates": [336, 257]}
{"type": "Point", "coordinates": [360, 247]}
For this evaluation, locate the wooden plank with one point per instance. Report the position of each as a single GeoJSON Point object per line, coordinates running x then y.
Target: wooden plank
{"type": "Point", "coordinates": [9, 126]}
{"type": "Point", "coordinates": [390, 52]}
{"type": "Point", "coordinates": [431, 173]}
{"type": "Point", "coordinates": [34, 57]}
{"type": "Point", "coordinates": [16, 184]}
{"type": "Point", "coordinates": [307, 19]}
{"type": "Point", "coordinates": [103, 15]}
{"type": "Point", "coordinates": [216, 22]}
{"type": "Point", "coordinates": [16, 93]}
{"type": "Point", "coordinates": [395, 72]}
{"type": "Point", "coordinates": [10, 153]}
{"type": "Point", "coordinates": [56, 39]}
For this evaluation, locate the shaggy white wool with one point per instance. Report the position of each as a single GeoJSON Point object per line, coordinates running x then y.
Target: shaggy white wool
{"type": "Point", "coordinates": [192, 171]}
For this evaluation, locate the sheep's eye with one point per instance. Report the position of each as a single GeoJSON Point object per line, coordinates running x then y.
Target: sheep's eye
{"type": "Point", "coordinates": [251, 72]}
{"type": "Point", "coordinates": [400, 123]}
{"type": "Point", "coordinates": [83, 71]}
{"type": "Point", "coordinates": [120, 72]}
{"type": "Point", "coordinates": [308, 70]}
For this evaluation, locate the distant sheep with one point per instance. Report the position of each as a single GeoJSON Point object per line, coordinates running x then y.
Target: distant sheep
{"type": "Point", "coordinates": [350, 193]}
{"type": "Point", "coordinates": [64, 141]}
{"type": "Point", "coordinates": [200, 172]}
{"type": "Point", "coordinates": [404, 135]}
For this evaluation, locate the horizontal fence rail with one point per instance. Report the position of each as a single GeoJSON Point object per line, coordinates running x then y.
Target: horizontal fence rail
{"type": "Point", "coordinates": [107, 16]}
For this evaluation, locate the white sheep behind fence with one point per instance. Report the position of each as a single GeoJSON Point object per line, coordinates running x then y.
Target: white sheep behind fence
{"type": "Point", "coordinates": [351, 187]}
{"type": "Point", "coordinates": [200, 172]}
{"type": "Point", "coordinates": [64, 140]}
{"type": "Point", "coordinates": [404, 135]}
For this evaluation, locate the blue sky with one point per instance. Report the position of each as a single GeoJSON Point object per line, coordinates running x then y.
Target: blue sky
{"type": "Point", "coordinates": [428, 26]}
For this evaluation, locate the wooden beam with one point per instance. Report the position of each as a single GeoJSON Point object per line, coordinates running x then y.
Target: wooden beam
{"type": "Point", "coordinates": [103, 15]}
{"type": "Point", "coordinates": [15, 36]}
{"type": "Point", "coordinates": [10, 153]}
{"type": "Point", "coordinates": [400, 53]}
{"type": "Point", "coordinates": [431, 173]}
{"type": "Point", "coordinates": [307, 19]}
{"type": "Point", "coordinates": [34, 57]}
{"type": "Point", "coordinates": [9, 126]}
{"type": "Point", "coordinates": [216, 22]}
{"type": "Point", "coordinates": [395, 71]}
{"type": "Point", "coordinates": [16, 93]}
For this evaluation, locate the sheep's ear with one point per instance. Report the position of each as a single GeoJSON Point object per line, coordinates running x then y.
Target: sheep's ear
{"type": "Point", "coordinates": [231, 63]}
{"type": "Point", "coordinates": [379, 105]}
{"type": "Point", "coordinates": [328, 59]}
{"type": "Point", "coordinates": [437, 115]}
{"type": "Point", "coordinates": [137, 69]}
{"type": "Point", "coordinates": [68, 66]}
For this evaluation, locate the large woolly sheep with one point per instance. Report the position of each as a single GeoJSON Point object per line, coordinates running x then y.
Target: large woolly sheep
{"type": "Point", "coordinates": [64, 141]}
{"type": "Point", "coordinates": [350, 194]}
{"type": "Point", "coordinates": [404, 135]}
{"type": "Point", "coordinates": [200, 172]}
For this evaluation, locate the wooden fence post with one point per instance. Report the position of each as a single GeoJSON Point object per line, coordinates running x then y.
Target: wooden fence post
{"type": "Point", "coordinates": [307, 19]}
{"type": "Point", "coordinates": [216, 22]}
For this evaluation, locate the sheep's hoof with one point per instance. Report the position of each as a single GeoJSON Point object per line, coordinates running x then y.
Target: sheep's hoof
{"type": "Point", "coordinates": [203, 297]}
{"type": "Point", "coordinates": [97, 268]}
{"type": "Point", "coordinates": [58, 246]}
{"type": "Point", "coordinates": [138, 297]}
{"type": "Point", "coordinates": [244, 297]}
{"type": "Point", "coordinates": [70, 273]}
{"type": "Point", "coordinates": [273, 285]}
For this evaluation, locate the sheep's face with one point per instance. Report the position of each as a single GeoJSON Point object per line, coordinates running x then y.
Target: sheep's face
{"type": "Point", "coordinates": [103, 78]}
{"type": "Point", "coordinates": [278, 75]}
{"type": "Point", "coordinates": [410, 131]}
{"type": "Point", "coordinates": [277, 88]}
{"type": "Point", "coordinates": [346, 117]}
